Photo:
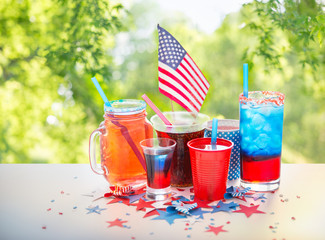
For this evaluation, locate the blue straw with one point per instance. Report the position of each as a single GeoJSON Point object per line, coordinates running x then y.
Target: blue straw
{"type": "Point", "coordinates": [101, 92]}
{"type": "Point", "coordinates": [245, 75]}
{"type": "Point", "coordinates": [214, 133]}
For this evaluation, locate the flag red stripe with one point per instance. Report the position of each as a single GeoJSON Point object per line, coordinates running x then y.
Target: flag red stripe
{"type": "Point", "coordinates": [171, 86]}
{"type": "Point", "coordinates": [188, 72]}
{"type": "Point", "coordinates": [167, 94]}
{"type": "Point", "coordinates": [169, 74]}
{"type": "Point", "coordinates": [194, 70]}
{"type": "Point", "coordinates": [186, 79]}
{"type": "Point", "coordinates": [204, 81]}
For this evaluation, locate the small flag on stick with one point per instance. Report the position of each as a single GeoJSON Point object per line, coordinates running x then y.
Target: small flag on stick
{"type": "Point", "coordinates": [180, 79]}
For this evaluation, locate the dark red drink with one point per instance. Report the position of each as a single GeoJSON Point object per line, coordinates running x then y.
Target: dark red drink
{"type": "Point", "coordinates": [181, 173]}
{"type": "Point", "coordinates": [260, 169]}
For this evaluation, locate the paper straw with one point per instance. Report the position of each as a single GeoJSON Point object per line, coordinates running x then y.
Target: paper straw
{"type": "Point", "coordinates": [156, 110]}
{"type": "Point", "coordinates": [245, 78]}
{"type": "Point", "coordinates": [101, 92]}
{"type": "Point", "coordinates": [214, 133]}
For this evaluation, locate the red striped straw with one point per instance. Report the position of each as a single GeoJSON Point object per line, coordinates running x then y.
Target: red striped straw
{"type": "Point", "coordinates": [156, 110]}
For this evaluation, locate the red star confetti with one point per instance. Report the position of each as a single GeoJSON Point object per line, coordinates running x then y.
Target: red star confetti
{"type": "Point", "coordinates": [248, 210]}
{"type": "Point", "coordinates": [43, 227]}
{"type": "Point", "coordinates": [151, 213]}
{"type": "Point", "coordinates": [143, 204]}
{"type": "Point", "coordinates": [117, 222]}
{"type": "Point", "coordinates": [60, 213]}
{"type": "Point", "coordinates": [49, 209]}
{"type": "Point", "coordinates": [293, 218]}
{"type": "Point", "coordinates": [216, 230]}
{"type": "Point", "coordinates": [118, 199]}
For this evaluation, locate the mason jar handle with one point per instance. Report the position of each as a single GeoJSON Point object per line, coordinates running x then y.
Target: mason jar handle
{"type": "Point", "coordinates": [92, 150]}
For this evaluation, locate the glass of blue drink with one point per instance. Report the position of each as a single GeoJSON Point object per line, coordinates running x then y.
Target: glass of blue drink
{"type": "Point", "coordinates": [158, 153]}
{"type": "Point", "coordinates": [261, 124]}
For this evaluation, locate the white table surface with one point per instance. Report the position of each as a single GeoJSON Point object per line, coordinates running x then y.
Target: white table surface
{"type": "Point", "coordinates": [28, 192]}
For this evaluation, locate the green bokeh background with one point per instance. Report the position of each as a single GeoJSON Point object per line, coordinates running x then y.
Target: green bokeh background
{"type": "Point", "coordinates": [50, 50]}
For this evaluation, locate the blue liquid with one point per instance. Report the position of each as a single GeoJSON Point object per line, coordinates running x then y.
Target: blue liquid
{"type": "Point", "coordinates": [261, 130]}
{"type": "Point", "coordinates": [158, 169]}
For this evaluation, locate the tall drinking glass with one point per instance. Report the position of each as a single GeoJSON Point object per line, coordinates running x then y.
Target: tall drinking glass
{"type": "Point", "coordinates": [261, 124]}
{"type": "Point", "coordinates": [185, 128]}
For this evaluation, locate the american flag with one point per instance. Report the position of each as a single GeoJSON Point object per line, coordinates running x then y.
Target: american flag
{"type": "Point", "coordinates": [180, 79]}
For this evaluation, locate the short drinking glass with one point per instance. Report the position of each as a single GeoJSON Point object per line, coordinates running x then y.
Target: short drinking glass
{"type": "Point", "coordinates": [158, 153]}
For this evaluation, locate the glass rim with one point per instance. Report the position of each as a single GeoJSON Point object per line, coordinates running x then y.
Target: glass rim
{"type": "Point", "coordinates": [159, 125]}
{"type": "Point", "coordinates": [209, 139]}
{"type": "Point", "coordinates": [220, 123]}
{"type": "Point", "coordinates": [131, 106]}
{"type": "Point", "coordinates": [163, 147]}
{"type": "Point", "coordinates": [279, 101]}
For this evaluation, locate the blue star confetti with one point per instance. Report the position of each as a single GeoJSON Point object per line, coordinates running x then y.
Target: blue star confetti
{"type": "Point", "coordinates": [199, 212]}
{"type": "Point", "coordinates": [235, 192]}
{"type": "Point", "coordinates": [181, 207]}
{"type": "Point", "coordinates": [224, 207]}
{"type": "Point", "coordinates": [134, 198]}
{"type": "Point", "coordinates": [168, 217]}
{"type": "Point", "coordinates": [95, 210]}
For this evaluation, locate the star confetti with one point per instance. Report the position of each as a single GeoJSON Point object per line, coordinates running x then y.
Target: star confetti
{"type": "Point", "coordinates": [248, 210]}
{"type": "Point", "coordinates": [95, 209]}
{"type": "Point", "coordinates": [185, 192]}
{"type": "Point", "coordinates": [123, 200]}
{"type": "Point", "coordinates": [202, 204]}
{"type": "Point", "coordinates": [199, 212]}
{"type": "Point", "coordinates": [143, 204]}
{"type": "Point", "coordinates": [216, 230]}
{"type": "Point", "coordinates": [136, 197]}
{"type": "Point", "coordinates": [235, 192]}
{"type": "Point", "coordinates": [256, 196]}
{"type": "Point", "coordinates": [117, 222]}
{"type": "Point", "coordinates": [181, 207]}
{"type": "Point", "coordinates": [168, 217]}
{"type": "Point", "coordinates": [151, 213]}
{"type": "Point", "coordinates": [224, 207]}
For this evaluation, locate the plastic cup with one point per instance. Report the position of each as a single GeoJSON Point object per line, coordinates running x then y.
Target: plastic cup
{"type": "Point", "coordinates": [210, 167]}
{"type": "Point", "coordinates": [158, 153]}
{"type": "Point", "coordinates": [229, 129]}
{"type": "Point", "coordinates": [185, 128]}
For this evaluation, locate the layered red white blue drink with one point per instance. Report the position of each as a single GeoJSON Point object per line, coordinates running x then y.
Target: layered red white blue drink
{"type": "Point", "coordinates": [261, 124]}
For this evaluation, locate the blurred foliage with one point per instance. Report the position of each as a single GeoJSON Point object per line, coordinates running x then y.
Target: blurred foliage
{"type": "Point", "coordinates": [48, 54]}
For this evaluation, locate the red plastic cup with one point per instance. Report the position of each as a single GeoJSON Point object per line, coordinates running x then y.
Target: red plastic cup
{"type": "Point", "coordinates": [210, 167]}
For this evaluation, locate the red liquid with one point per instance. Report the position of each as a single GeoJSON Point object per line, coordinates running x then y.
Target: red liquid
{"type": "Point", "coordinates": [158, 170]}
{"type": "Point", "coordinates": [159, 181]}
{"type": "Point", "coordinates": [260, 170]}
{"type": "Point", "coordinates": [181, 172]}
